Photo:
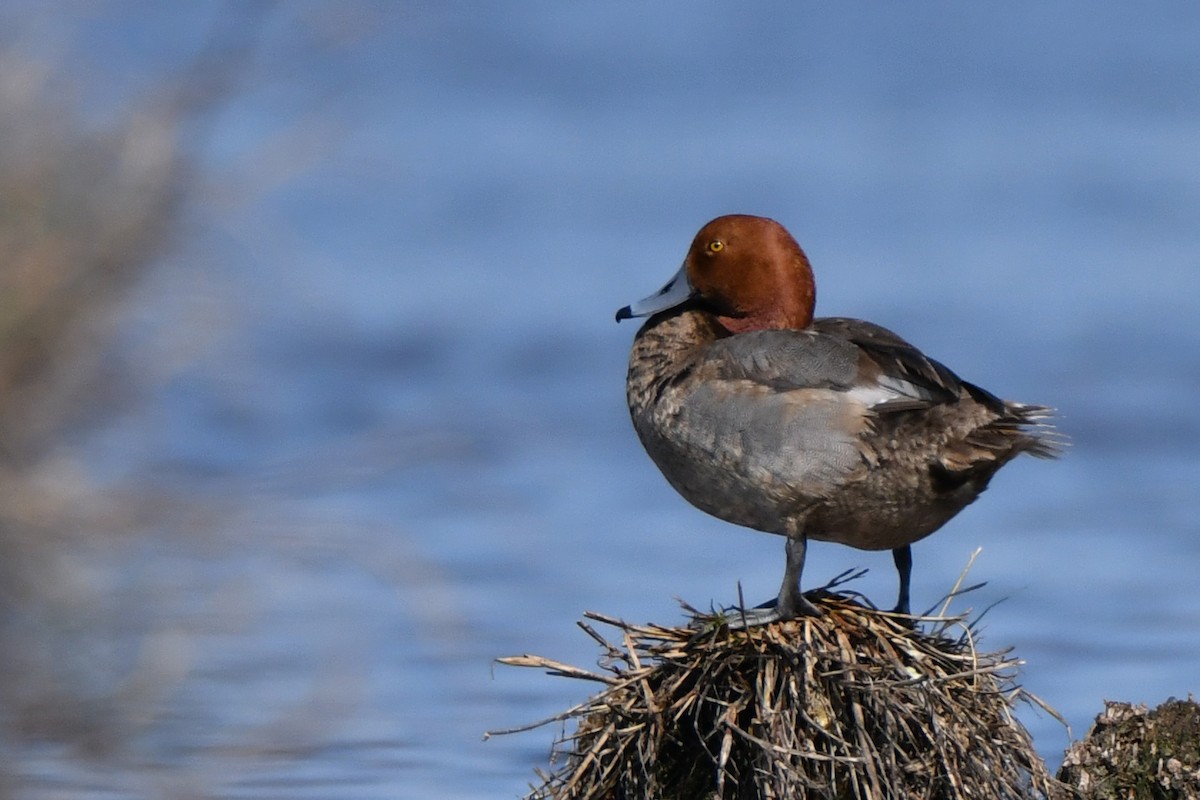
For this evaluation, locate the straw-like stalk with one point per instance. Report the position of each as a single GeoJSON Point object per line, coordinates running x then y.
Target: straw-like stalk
{"type": "Point", "coordinates": [856, 703]}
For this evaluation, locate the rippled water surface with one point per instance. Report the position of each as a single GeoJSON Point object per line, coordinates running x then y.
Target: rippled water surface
{"type": "Point", "coordinates": [408, 428]}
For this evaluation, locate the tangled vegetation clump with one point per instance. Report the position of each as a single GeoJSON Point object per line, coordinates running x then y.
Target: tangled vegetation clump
{"type": "Point", "coordinates": [856, 703]}
{"type": "Point", "coordinates": [1132, 753]}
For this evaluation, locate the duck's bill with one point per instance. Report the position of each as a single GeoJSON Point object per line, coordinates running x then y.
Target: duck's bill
{"type": "Point", "coordinates": [677, 290]}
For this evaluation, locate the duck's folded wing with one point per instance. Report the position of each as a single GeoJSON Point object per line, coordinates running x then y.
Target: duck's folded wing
{"type": "Point", "coordinates": [869, 364]}
{"type": "Point", "coordinates": [897, 361]}
{"type": "Point", "coordinates": [784, 411]}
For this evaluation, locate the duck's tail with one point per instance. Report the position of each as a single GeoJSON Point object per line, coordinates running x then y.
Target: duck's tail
{"type": "Point", "coordinates": [1028, 429]}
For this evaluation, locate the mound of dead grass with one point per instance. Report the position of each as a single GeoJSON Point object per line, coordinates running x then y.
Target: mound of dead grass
{"type": "Point", "coordinates": [857, 703]}
{"type": "Point", "coordinates": [1136, 753]}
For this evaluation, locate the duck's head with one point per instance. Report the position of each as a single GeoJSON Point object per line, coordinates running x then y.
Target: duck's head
{"type": "Point", "coordinates": [747, 271]}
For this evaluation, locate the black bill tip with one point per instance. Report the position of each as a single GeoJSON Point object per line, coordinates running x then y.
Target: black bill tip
{"type": "Point", "coordinates": [624, 313]}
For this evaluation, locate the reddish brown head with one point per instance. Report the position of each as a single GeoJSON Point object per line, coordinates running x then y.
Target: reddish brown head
{"type": "Point", "coordinates": [748, 271]}
{"type": "Point", "coordinates": [752, 274]}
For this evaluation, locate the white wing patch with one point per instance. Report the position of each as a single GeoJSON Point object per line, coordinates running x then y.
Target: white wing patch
{"type": "Point", "coordinates": [889, 390]}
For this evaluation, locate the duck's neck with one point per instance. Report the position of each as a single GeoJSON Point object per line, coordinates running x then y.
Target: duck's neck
{"type": "Point", "coordinates": [664, 349]}
{"type": "Point", "coordinates": [679, 332]}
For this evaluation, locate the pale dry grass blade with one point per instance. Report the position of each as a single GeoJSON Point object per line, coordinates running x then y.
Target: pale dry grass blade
{"type": "Point", "coordinates": [853, 704]}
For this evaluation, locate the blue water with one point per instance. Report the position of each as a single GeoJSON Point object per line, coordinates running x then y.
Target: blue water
{"type": "Point", "coordinates": [401, 421]}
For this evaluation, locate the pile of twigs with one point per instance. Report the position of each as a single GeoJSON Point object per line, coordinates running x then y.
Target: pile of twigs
{"type": "Point", "coordinates": [856, 703]}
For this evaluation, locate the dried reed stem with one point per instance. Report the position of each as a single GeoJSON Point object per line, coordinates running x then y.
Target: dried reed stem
{"type": "Point", "coordinates": [856, 703]}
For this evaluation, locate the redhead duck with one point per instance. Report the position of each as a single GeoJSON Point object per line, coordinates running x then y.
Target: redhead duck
{"type": "Point", "coordinates": [831, 429]}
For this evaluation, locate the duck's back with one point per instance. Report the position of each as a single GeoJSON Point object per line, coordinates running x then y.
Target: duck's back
{"type": "Point", "coordinates": [843, 425]}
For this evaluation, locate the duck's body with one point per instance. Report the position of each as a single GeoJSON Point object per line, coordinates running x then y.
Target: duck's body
{"type": "Point", "coordinates": [831, 429]}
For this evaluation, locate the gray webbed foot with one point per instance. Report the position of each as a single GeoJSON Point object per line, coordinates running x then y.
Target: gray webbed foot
{"type": "Point", "coordinates": [740, 619]}
{"type": "Point", "coordinates": [790, 603]}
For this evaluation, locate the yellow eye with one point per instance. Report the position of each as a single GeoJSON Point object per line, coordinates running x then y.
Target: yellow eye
{"type": "Point", "coordinates": [716, 246]}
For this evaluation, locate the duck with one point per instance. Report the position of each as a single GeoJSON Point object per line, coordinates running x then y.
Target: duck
{"type": "Point", "coordinates": [828, 429]}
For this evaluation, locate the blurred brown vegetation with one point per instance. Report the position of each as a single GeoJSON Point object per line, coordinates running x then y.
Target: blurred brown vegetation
{"type": "Point", "coordinates": [81, 216]}
{"type": "Point", "coordinates": [86, 211]}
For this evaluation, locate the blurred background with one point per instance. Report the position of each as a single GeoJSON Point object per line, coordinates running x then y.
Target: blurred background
{"type": "Point", "coordinates": [312, 404]}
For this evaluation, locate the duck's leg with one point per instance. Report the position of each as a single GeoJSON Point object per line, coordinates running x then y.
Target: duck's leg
{"type": "Point", "coordinates": [791, 602]}
{"type": "Point", "coordinates": [903, 558]}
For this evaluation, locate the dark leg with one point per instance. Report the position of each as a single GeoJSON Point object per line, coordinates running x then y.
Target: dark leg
{"type": "Point", "coordinates": [791, 602]}
{"type": "Point", "coordinates": [903, 558]}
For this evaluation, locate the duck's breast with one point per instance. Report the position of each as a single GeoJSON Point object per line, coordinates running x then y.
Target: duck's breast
{"type": "Point", "coordinates": [756, 428]}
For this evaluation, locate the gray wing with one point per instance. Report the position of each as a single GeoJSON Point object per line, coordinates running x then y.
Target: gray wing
{"type": "Point", "coordinates": [870, 363]}
{"type": "Point", "coordinates": [784, 413]}
{"type": "Point", "coordinates": [779, 418]}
